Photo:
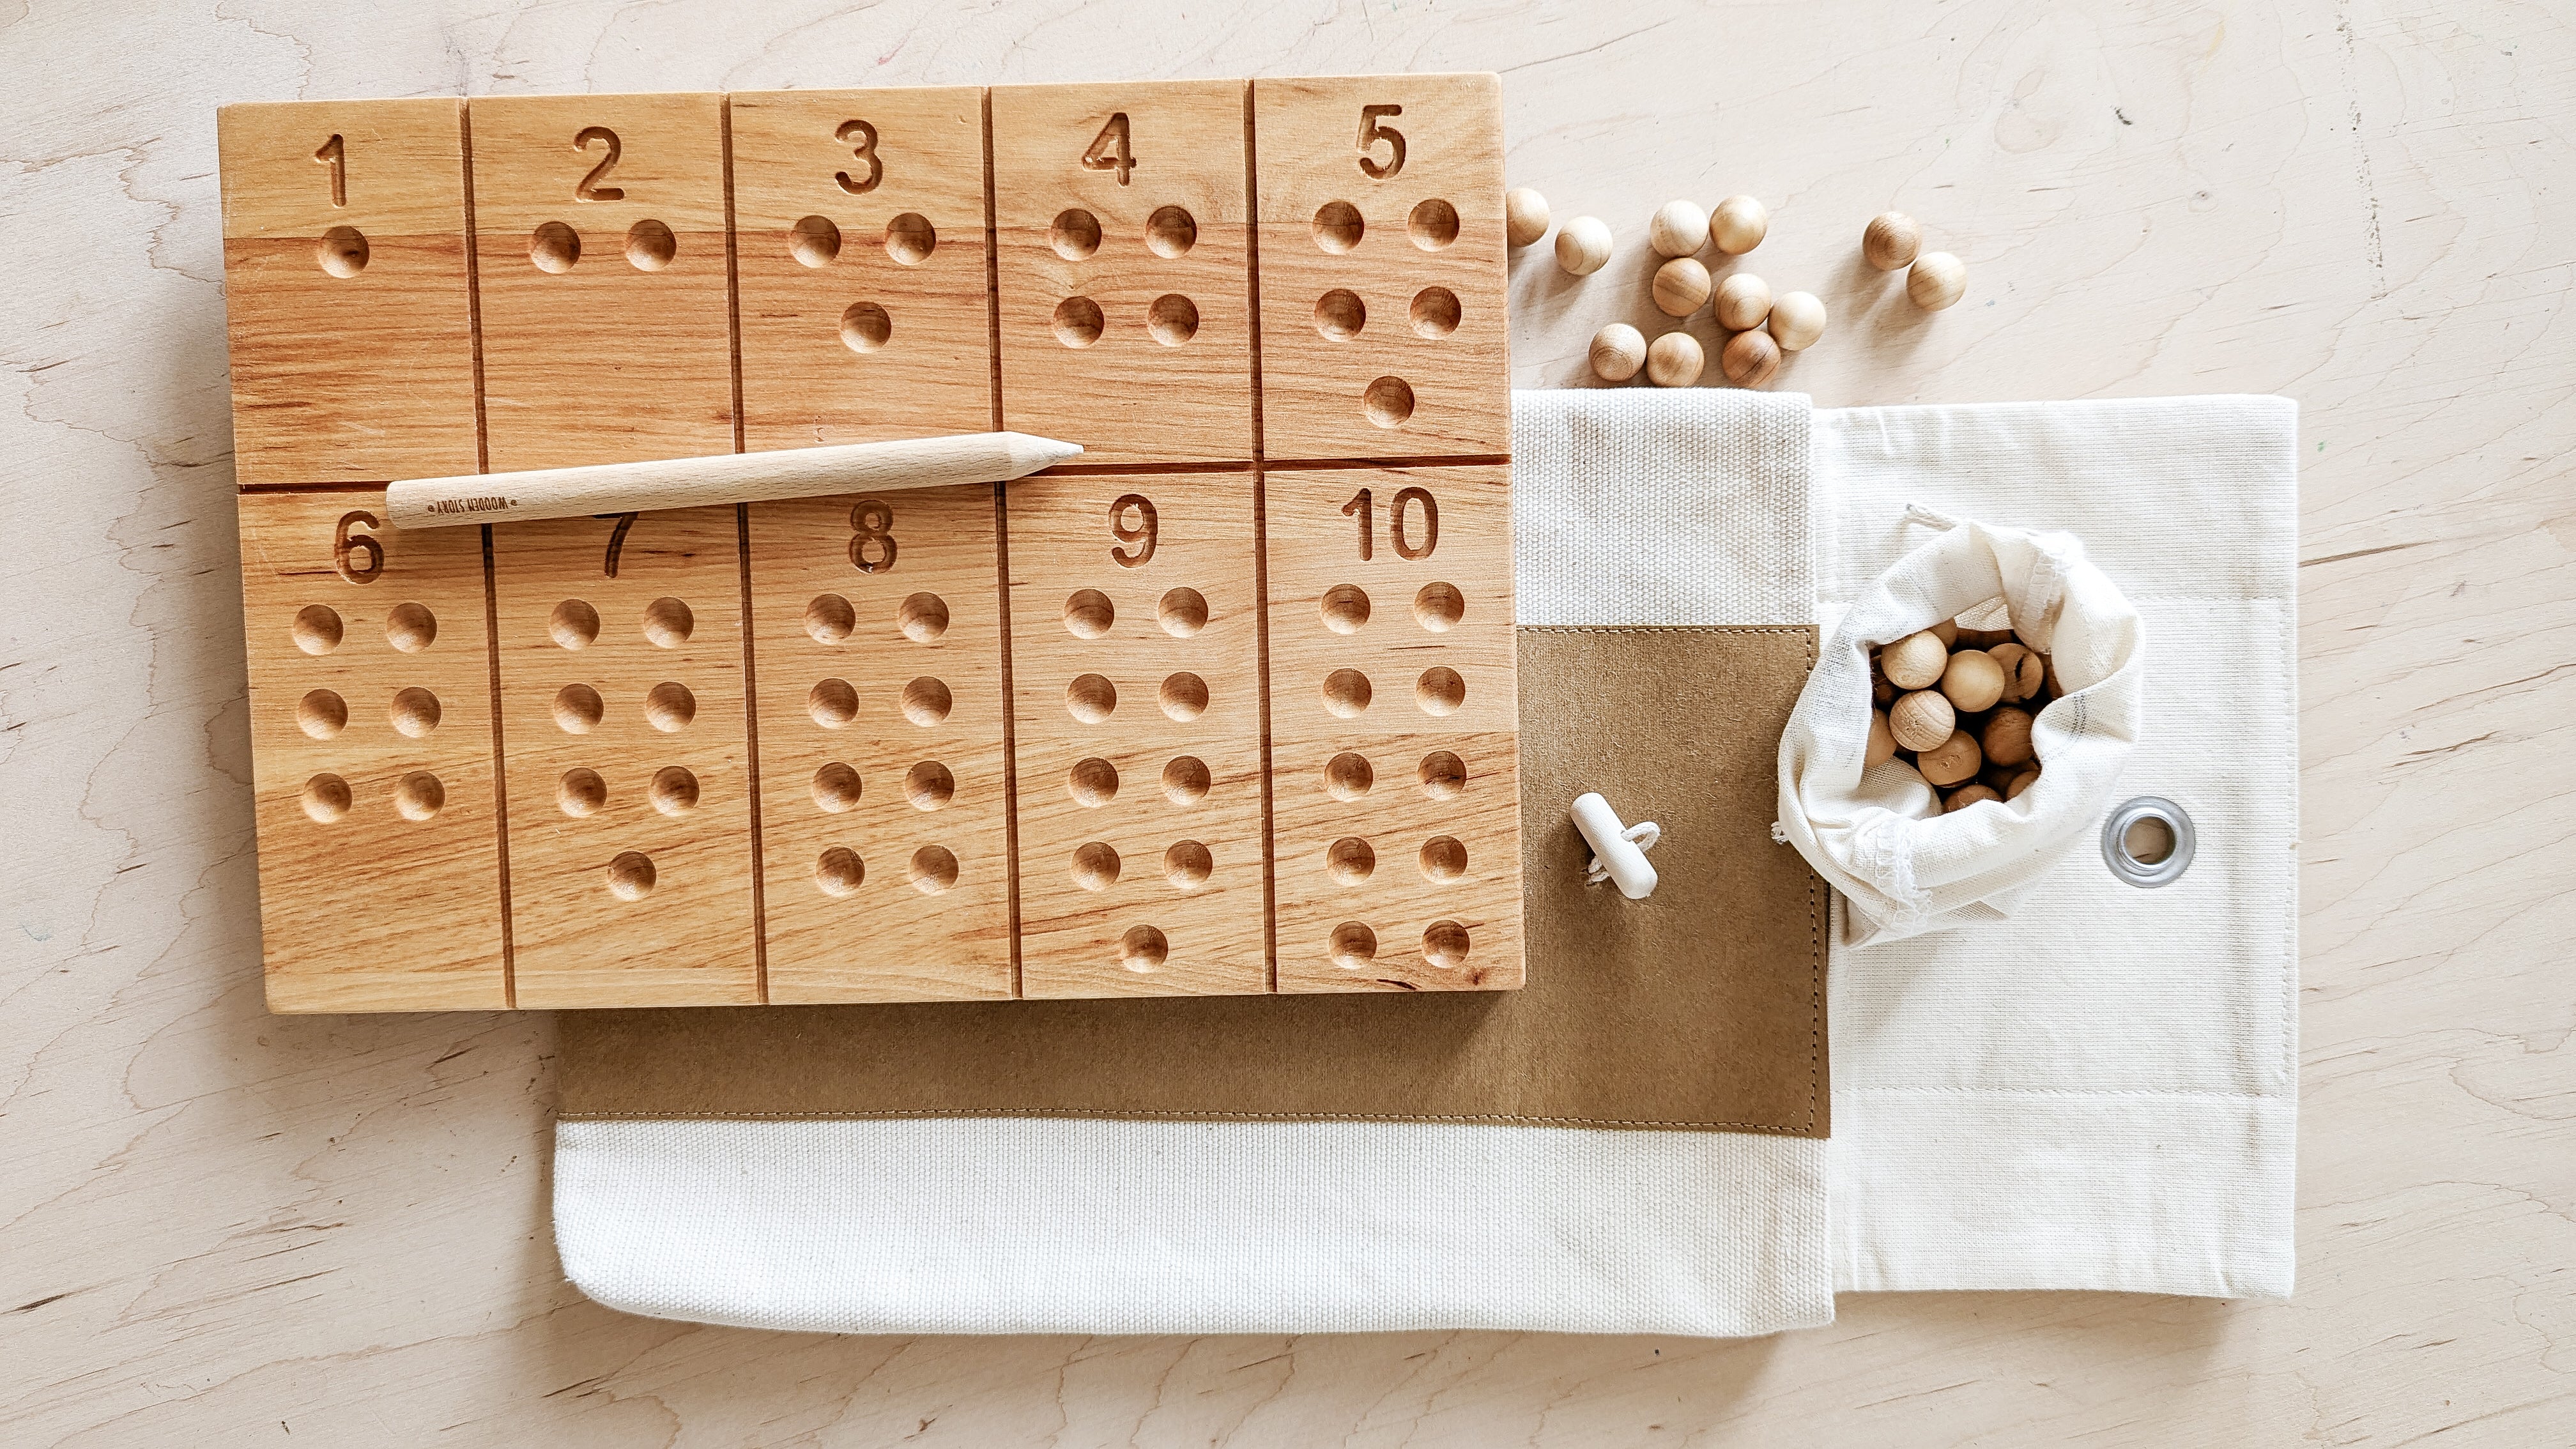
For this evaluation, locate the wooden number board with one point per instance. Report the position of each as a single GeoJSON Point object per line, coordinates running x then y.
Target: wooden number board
{"type": "Point", "coordinates": [1227, 706]}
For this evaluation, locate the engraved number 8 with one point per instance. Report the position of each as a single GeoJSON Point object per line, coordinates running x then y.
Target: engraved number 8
{"type": "Point", "coordinates": [873, 522]}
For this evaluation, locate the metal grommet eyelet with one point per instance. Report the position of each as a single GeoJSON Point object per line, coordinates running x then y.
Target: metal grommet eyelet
{"type": "Point", "coordinates": [2145, 874]}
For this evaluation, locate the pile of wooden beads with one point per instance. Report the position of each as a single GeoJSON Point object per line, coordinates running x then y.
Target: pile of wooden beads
{"type": "Point", "coordinates": [1956, 705]}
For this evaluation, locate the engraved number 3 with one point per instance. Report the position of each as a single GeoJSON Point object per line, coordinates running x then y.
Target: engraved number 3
{"type": "Point", "coordinates": [862, 137]}
{"type": "Point", "coordinates": [872, 522]}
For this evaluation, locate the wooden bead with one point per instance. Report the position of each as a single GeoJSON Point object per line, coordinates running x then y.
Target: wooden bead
{"type": "Point", "coordinates": [1738, 225]}
{"type": "Point", "coordinates": [1915, 661]}
{"type": "Point", "coordinates": [1891, 240]}
{"type": "Point", "coordinates": [1524, 216]}
{"type": "Point", "coordinates": [1743, 300]}
{"type": "Point", "coordinates": [1679, 229]}
{"type": "Point", "coordinates": [1675, 360]}
{"type": "Point", "coordinates": [1922, 720]}
{"type": "Point", "coordinates": [1583, 245]}
{"type": "Point", "coordinates": [1681, 287]}
{"type": "Point", "coordinates": [1882, 742]}
{"type": "Point", "coordinates": [2021, 782]}
{"type": "Point", "coordinates": [1967, 795]}
{"type": "Point", "coordinates": [1984, 638]}
{"type": "Point", "coordinates": [1618, 350]}
{"type": "Point", "coordinates": [2024, 675]}
{"type": "Point", "coordinates": [2006, 739]}
{"type": "Point", "coordinates": [1947, 631]}
{"type": "Point", "coordinates": [1973, 680]}
{"type": "Point", "coordinates": [1749, 358]}
{"type": "Point", "coordinates": [1950, 761]}
{"type": "Point", "coordinates": [1797, 320]}
{"type": "Point", "coordinates": [1937, 280]}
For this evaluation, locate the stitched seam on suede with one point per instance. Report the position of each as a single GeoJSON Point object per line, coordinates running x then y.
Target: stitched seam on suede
{"type": "Point", "coordinates": [1496, 1118]}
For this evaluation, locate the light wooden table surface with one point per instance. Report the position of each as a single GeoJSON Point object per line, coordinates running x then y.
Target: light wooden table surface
{"type": "Point", "coordinates": [217, 1227]}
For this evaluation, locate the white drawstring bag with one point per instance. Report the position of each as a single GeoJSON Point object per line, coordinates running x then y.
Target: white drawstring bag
{"type": "Point", "coordinates": [1878, 835]}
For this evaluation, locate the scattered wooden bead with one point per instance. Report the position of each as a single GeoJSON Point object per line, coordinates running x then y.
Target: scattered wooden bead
{"type": "Point", "coordinates": [1583, 245]}
{"type": "Point", "coordinates": [1950, 761]}
{"type": "Point", "coordinates": [1749, 358]}
{"type": "Point", "coordinates": [2021, 782]}
{"type": "Point", "coordinates": [1524, 216]}
{"type": "Point", "coordinates": [1915, 661]}
{"type": "Point", "coordinates": [2024, 675]}
{"type": "Point", "coordinates": [1679, 229]}
{"type": "Point", "coordinates": [1738, 225]}
{"type": "Point", "coordinates": [1797, 320]}
{"type": "Point", "coordinates": [1743, 300]}
{"type": "Point", "coordinates": [1675, 360]}
{"type": "Point", "coordinates": [1618, 350]}
{"type": "Point", "coordinates": [2006, 739]}
{"type": "Point", "coordinates": [1937, 280]}
{"type": "Point", "coordinates": [1882, 742]}
{"type": "Point", "coordinates": [1891, 240]}
{"type": "Point", "coordinates": [1973, 680]}
{"type": "Point", "coordinates": [1967, 795]}
{"type": "Point", "coordinates": [1681, 287]}
{"type": "Point", "coordinates": [1922, 720]}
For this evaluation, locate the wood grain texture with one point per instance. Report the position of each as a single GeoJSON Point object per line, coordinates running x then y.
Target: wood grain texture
{"type": "Point", "coordinates": [231, 1227]}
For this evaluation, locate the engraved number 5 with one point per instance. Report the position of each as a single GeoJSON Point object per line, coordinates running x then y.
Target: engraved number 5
{"type": "Point", "coordinates": [1373, 129]}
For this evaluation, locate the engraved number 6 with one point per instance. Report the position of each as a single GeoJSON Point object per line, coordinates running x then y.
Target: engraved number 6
{"type": "Point", "coordinates": [1373, 129]}
{"type": "Point", "coordinates": [345, 543]}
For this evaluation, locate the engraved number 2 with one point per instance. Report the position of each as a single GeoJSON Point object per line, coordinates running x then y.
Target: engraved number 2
{"type": "Point", "coordinates": [1102, 158]}
{"type": "Point", "coordinates": [1143, 533]}
{"type": "Point", "coordinates": [872, 522]}
{"type": "Point", "coordinates": [1374, 129]}
{"type": "Point", "coordinates": [336, 156]}
{"type": "Point", "coordinates": [344, 543]}
{"type": "Point", "coordinates": [589, 188]}
{"type": "Point", "coordinates": [862, 137]}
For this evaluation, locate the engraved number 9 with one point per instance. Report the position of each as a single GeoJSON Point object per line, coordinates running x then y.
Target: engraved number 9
{"type": "Point", "coordinates": [1373, 129]}
{"type": "Point", "coordinates": [345, 543]}
{"type": "Point", "coordinates": [872, 522]}
{"type": "Point", "coordinates": [1143, 532]}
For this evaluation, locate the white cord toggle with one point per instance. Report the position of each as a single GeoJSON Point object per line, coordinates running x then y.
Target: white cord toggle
{"type": "Point", "coordinates": [1618, 851]}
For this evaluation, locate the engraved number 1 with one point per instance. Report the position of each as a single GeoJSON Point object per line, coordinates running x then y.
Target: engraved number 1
{"type": "Point", "coordinates": [1101, 158]}
{"type": "Point", "coordinates": [1363, 508]}
{"type": "Point", "coordinates": [336, 156]}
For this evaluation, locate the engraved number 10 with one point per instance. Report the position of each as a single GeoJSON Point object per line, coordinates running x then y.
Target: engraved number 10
{"type": "Point", "coordinates": [1363, 508]}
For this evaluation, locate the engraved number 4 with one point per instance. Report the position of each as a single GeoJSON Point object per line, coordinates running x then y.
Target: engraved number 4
{"type": "Point", "coordinates": [1102, 158]}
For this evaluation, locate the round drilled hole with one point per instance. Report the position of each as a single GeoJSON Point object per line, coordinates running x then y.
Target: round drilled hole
{"type": "Point", "coordinates": [674, 790]}
{"type": "Point", "coordinates": [1444, 857]}
{"type": "Point", "coordinates": [1187, 864]}
{"type": "Point", "coordinates": [865, 327]}
{"type": "Point", "coordinates": [1143, 949]}
{"type": "Point", "coordinates": [929, 786]}
{"type": "Point", "coordinates": [1182, 612]}
{"type": "Point", "coordinates": [1077, 322]}
{"type": "Point", "coordinates": [1444, 944]}
{"type": "Point", "coordinates": [343, 252]}
{"type": "Point", "coordinates": [419, 796]}
{"type": "Point", "coordinates": [650, 246]}
{"type": "Point", "coordinates": [832, 703]}
{"type": "Point", "coordinates": [1433, 225]}
{"type": "Point", "coordinates": [1185, 780]}
{"type": "Point", "coordinates": [326, 798]}
{"type": "Point", "coordinates": [1172, 320]}
{"type": "Point", "coordinates": [933, 869]}
{"type": "Point", "coordinates": [317, 629]}
{"type": "Point", "coordinates": [1338, 226]}
{"type": "Point", "coordinates": [1444, 775]}
{"type": "Point", "coordinates": [1170, 232]}
{"type": "Point", "coordinates": [1346, 693]}
{"type": "Point", "coordinates": [669, 706]}
{"type": "Point", "coordinates": [321, 714]}
{"type": "Point", "coordinates": [814, 240]}
{"type": "Point", "coordinates": [922, 617]}
{"type": "Point", "coordinates": [829, 618]}
{"type": "Point", "coordinates": [839, 871]}
{"type": "Point", "coordinates": [1088, 614]}
{"type": "Point", "coordinates": [1439, 607]}
{"type": "Point", "coordinates": [1184, 696]}
{"type": "Point", "coordinates": [414, 712]}
{"type": "Point", "coordinates": [1093, 781]}
{"type": "Point", "coordinates": [578, 709]}
{"type": "Point", "coordinates": [1353, 946]}
{"type": "Point", "coordinates": [836, 788]}
{"type": "Point", "coordinates": [581, 792]}
{"type": "Point", "coordinates": [1440, 691]}
{"type": "Point", "coordinates": [631, 875]}
{"type": "Point", "coordinates": [910, 239]}
{"type": "Point", "coordinates": [1345, 608]}
{"type": "Point", "coordinates": [1091, 698]}
{"type": "Point", "coordinates": [554, 246]}
{"type": "Point", "coordinates": [1095, 865]}
{"type": "Point", "coordinates": [1075, 235]}
{"type": "Point", "coordinates": [411, 627]}
{"type": "Point", "coordinates": [1435, 312]}
{"type": "Point", "coordinates": [574, 624]}
{"type": "Point", "coordinates": [1348, 776]}
{"type": "Point", "coordinates": [926, 701]}
{"type": "Point", "coordinates": [1340, 314]}
{"type": "Point", "coordinates": [1388, 401]}
{"type": "Point", "coordinates": [668, 623]}
{"type": "Point", "coordinates": [1349, 860]}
